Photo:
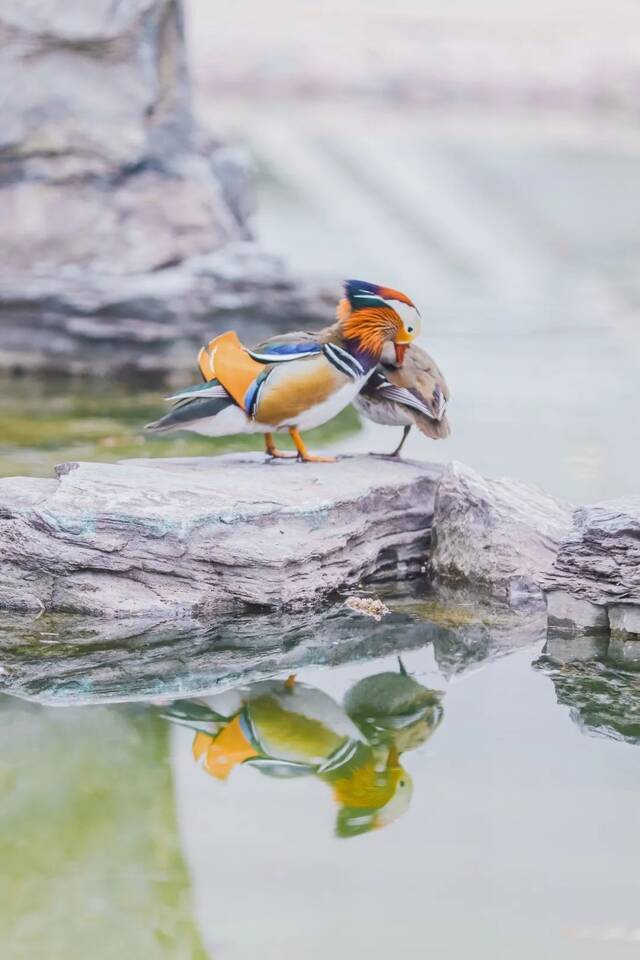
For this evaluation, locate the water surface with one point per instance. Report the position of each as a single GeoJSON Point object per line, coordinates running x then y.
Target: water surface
{"type": "Point", "coordinates": [494, 812]}
{"type": "Point", "coordinates": [464, 799]}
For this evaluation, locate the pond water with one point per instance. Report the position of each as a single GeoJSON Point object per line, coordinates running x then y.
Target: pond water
{"type": "Point", "coordinates": [310, 793]}
{"type": "Point", "coordinates": [170, 793]}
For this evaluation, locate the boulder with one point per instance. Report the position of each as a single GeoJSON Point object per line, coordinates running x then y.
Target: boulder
{"type": "Point", "coordinates": [153, 322]}
{"type": "Point", "coordinates": [593, 588]}
{"type": "Point", "coordinates": [187, 537]}
{"type": "Point", "coordinates": [126, 237]}
{"type": "Point", "coordinates": [496, 535]}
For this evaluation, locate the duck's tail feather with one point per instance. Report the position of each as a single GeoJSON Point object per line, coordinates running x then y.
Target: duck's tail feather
{"type": "Point", "coordinates": [436, 429]}
{"type": "Point", "coordinates": [190, 411]}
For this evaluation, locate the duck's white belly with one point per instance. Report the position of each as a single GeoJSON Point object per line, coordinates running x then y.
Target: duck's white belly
{"type": "Point", "coordinates": [229, 421]}
{"type": "Point", "coordinates": [390, 414]}
{"type": "Point", "coordinates": [234, 420]}
{"type": "Point", "coordinates": [324, 411]}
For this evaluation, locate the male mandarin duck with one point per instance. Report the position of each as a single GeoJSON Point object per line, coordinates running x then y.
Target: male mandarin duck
{"type": "Point", "coordinates": [296, 381]}
{"type": "Point", "coordinates": [288, 729]}
{"type": "Point", "coordinates": [412, 393]}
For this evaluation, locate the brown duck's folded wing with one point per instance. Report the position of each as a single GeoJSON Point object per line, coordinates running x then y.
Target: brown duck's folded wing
{"type": "Point", "coordinates": [422, 372]}
{"type": "Point", "coordinates": [421, 377]}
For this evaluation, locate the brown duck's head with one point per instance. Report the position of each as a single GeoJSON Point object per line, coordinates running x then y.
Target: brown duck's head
{"type": "Point", "coordinates": [372, 315]}
{"type": "Point", "coordinates": [373, 797]}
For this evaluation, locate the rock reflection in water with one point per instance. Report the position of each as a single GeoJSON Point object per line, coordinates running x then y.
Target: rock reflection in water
{"type": "Point", "coordinates": [603, 701]}
{"type": "Point", "coordinates": [286, 729]}
{"type": "Point", "coordinates": [66, 659]}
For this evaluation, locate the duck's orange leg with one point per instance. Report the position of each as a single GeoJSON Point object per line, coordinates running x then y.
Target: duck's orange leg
{"type": "Point", "coordinates": [303, 453]}
{"type": "Point", "coordinates": [272, 450]}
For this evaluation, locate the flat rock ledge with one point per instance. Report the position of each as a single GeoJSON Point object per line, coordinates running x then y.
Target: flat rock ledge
{"type": "Point", "coordinates": [196, 536]}
{"type": "Point", "coordinates": [187, 537]}
{"type": "Point", "coordinates": [593, 587]}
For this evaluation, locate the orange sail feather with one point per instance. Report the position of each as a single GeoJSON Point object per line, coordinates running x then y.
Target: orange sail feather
{"type": "Point", "coordinates": [227, 360]}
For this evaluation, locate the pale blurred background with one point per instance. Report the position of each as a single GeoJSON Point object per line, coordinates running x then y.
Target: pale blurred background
{"type": "Point", "coordinates": [486, 159]}
{"type": "Point", "coordinates": [482, 157]}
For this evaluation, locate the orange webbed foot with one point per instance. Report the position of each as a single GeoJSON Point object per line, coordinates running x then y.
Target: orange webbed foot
{"type": "Point", "coordinates": [272, 451]}
{"type": "Point", "coordinates": [303, 454]}
{"type": "Point", "coordinates": [311, 458]}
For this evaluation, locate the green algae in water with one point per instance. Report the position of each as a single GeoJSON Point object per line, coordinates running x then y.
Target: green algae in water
{"type": "Point", "coordinates": [49, 421]}
{"type": "Point", "coordinates": [88, 834]}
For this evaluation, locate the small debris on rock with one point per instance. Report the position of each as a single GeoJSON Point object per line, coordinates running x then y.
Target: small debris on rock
{"type": "Point", "coordinates": [368, 606]}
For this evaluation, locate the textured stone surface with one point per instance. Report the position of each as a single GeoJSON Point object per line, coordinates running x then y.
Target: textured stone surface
{"type": "Point", "coordinates": [123, 226]}
{"type": "Point", "coordinates": [182, 537]}
{"type": "Point", "coordinates": [151, 321]}
{"type": "Point", "coordinates": [599, 560]}
{"type": "Point", "coordinates": [500, 535]}
{"type": "Point", "coordinates": [564, 609]}
{"type": "Point", "coordinates": [594, 584]}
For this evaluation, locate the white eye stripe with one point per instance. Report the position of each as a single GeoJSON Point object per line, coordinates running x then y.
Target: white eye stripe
{"type": "Point", "coordinates": [409, 315]}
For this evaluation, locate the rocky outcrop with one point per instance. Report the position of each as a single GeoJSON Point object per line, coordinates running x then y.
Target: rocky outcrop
{"type": "Point", "coordinates": [193, 536]}
{"type": "Point", "coordinates": [126, 235]}
{"type": "Point", "coordinates": [499, 535]}
{"type": "Point", "coordinates": [593, 588]}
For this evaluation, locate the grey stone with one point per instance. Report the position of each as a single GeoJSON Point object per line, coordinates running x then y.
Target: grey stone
{"type": "Point", "coordinates": [499, 535]}
{"type": "Point", "coordinates": [183, 537]}
{"type": "Point", "coordinates": [564, 609]}
{"type": "Point", "coordinates": [599, 559]}
{"type": "Point", "coordinates": [151, 322]}
{"type": "Point", "coordinates": [126, 235]}
{"type": "Point", "coordinates": [595, 580]}
{"type": "Point", "coordinates": [624, 618]}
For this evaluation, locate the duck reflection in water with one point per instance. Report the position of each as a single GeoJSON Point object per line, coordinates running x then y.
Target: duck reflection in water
{"type": "Point", "coordinates": [286, 729]}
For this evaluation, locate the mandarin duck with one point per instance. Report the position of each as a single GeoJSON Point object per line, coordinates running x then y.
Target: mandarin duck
{"type": "Point", "coordinates": [288, 729]}
{"type": "Point", "coordinates": [411, 394]}
{"type": "Point", "coordinates": [393, 709]}
{"type": "Point", "coordinates": [296, 381]}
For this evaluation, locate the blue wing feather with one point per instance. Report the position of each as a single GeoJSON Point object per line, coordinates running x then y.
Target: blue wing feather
{"type": "Point", "coordinates": [279, 352]}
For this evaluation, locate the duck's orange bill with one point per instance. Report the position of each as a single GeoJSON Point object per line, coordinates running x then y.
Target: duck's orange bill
{"type": "Point", "coordinates": [227, 360]}
{"type": "Point", "coordinates": [401, 349]}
